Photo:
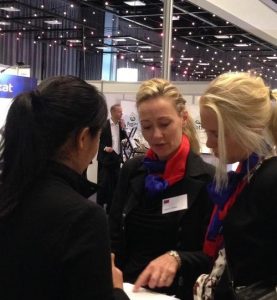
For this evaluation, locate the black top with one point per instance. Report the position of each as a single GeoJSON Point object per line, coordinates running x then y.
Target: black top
{"type": "Point", "coordinates": [144, 247]}
{"type": "Point", "coordinates": [140, 232]}
{"type": "Point", "coordinates": [55, 245]}
{"type": "Point", "coordinates": [250, 228]}
{"type": "Point", "coordinates": [157, 232]}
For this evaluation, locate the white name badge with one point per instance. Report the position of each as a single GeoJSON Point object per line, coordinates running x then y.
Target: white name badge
{"type": "Point", "coordinates": [175, 204]}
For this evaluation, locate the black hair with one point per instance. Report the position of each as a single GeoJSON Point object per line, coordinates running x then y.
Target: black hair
{"type": "Point", "coordinates": [38, 124]}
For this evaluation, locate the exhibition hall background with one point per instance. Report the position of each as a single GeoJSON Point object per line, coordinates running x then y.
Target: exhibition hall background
{"type": "Point", "coordinates": [111, 42]}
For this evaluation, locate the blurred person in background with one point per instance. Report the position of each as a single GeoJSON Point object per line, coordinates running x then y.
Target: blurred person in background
{"type": "Point", "coordinates": [54, 242]}
{"type": "Point", "coordinates": [110, 156]}
{"type": "Point", "coordinates": [161, 208]}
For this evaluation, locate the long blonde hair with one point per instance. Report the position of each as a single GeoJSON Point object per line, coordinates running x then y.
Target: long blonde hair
{"type": "Point", "coordinates": [158, 87]}
{"type": "Point", "coordinates": [244, 107]}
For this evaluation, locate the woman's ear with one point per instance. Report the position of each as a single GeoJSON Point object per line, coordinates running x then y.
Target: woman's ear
{"type": "Point", "coordinates": [82, 137]}
{"type": "Point", "coordinates": [184, 117]}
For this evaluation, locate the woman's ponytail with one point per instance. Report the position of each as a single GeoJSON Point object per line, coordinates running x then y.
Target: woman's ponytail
{"type": "Point", "coordinates": [22, 151]}
{"type": "Point", "coordinates": [190, 131]}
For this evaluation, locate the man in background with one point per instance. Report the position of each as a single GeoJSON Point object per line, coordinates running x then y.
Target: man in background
{"type": "Point", "coordinates": [110, 156]}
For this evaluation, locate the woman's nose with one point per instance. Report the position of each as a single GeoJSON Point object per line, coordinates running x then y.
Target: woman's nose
{"type": "Point", "coordinates": [157, 133]}
{"type": "Point", "coordinates": [210, 143]}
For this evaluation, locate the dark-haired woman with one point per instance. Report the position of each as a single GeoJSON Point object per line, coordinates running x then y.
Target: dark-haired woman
{"type": "Point", "coordinates": [53, 241]}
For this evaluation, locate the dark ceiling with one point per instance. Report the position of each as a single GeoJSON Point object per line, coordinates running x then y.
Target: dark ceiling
{"type": "Point", "coordinates": [203, 45]}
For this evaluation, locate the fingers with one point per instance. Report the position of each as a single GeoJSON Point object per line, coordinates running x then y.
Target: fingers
{"type": "Point", "coordinates": [153, 279]}
{"type": "Point", "coordinates": [116, 274]}
{"type": "Point", "coordinates": [160, 272]}
{"type": "Point", "coordinates": [165, 280]}
{"type": "Point", "coordinates": [142, 280]}
{"type": "Point", "coordinates": [112, 259]}
{"type": "Point", "coordinates": [160, 280]}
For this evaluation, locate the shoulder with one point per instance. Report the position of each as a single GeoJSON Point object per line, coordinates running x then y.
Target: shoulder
{"type": "Point", "coordinates": [269, 166]}
{"type": "Point", "coordinates": [132, 164]}
{"type": "Point", "coordinates": [59, 200]}
{"type": "Point", "coordinates": [107, 125]}
{"type": "Point", "coordinates": [197, 167]}
{"type": "Point", "coordinates": [266, 175]}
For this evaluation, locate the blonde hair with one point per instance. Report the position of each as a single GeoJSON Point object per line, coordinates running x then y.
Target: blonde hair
{"type": "Point", "coordinates": [158, 87]}
{"type": "Point", "coordinates": [243, 108]}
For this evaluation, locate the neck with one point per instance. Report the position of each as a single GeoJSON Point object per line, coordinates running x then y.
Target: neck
{"type": "Point", "coordinates": [72, 165]}
{"type": "Point", "coordinates": [114, 120]}
{"type": "Point", "coordinates": [166, 158]}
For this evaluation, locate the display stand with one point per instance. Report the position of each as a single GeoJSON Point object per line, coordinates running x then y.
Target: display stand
{"type": "Point", "coordinates": [128, 147]}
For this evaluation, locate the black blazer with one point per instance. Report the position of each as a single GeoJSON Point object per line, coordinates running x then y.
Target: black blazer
{"type": "Point", "coordinates": [193, 222]}
{"type": "Point", "coordinates": [56, 245]}
{"type": "Point", "coordinates": [104, 157]}
{"type": "Point", "coordinates": [250, 228]}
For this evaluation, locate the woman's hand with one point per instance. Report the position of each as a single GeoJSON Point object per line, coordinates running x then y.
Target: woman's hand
{"type": "Point", "coordinates": [160, 272]}
{"type": "Point", "coordinates": [117, 275]}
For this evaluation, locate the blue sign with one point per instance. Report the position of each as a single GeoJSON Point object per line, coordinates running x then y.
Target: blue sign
{"type": "Point", "coordinates": [12, 85]}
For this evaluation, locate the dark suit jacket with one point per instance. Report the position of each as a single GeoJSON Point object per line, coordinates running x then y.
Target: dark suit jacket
{"type": "Point", "coordinates": [192, 223]}
{"type": "Point", "coordinates": [55, 245]}
{"type": "Point", "coordinates": [103, 157]}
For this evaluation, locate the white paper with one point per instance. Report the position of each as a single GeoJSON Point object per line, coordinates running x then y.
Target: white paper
{"type": "Point", "coordinates": [144, 294]}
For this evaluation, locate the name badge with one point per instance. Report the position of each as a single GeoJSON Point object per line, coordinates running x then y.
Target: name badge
{"type": "Point", "coordinates": [175, 204]}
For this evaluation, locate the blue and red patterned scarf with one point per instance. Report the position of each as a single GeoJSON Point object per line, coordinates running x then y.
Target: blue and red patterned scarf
{"type": "Point", "coordinates": [162, 174]}
{"type": "Point", "coordinates": [223, 201]}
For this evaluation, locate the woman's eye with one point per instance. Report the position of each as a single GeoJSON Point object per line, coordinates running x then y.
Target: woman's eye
{"type": "Point", "coordinates": [211, 133]}
{"type": "Point", "coordinates": [165, 124]}
{"type": "Point", "coordinates": [146, 127]}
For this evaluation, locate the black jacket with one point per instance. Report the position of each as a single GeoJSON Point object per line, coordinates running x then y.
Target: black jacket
{"type": "Point", "coordinates": [103, 157]}
{"type": "Point", "coordinates": [55, 245]}
{"type": "Point", "coordinates": [250, 228]}
{"type": "Point", "coordinates": [193, 221]}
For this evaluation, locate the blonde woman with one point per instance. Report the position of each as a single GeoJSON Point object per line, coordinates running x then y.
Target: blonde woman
{"type": "Point", "coordinates": [239, 114]}
{"type": "Point", "coordinates": [161, 206]}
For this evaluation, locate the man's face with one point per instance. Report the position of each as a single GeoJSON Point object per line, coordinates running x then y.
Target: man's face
{"type": "Point", "coordinates": [116, 113]}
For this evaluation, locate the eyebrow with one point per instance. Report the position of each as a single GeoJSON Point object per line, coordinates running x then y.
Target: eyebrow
{"type": "Point", "coordinates": [159, 119]}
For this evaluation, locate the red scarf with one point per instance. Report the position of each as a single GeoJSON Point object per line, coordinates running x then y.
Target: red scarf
{"type": "Point", "coordinates": [176, 166]}
{"type": "Point", "coordinates": [224, 200]}
{"type": "Point", "coordinates": [211, 248]}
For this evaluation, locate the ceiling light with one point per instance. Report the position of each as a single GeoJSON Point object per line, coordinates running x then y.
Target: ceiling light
{"type": "Point", "coordinates": [187, 58]}
{"type": "Point", "coordinates": [271, 57]}
{"type": "Point", "coordinates": [241, 45]}
{"type": "Point", "coordinates": [174, 18]}
{"type": "Point", "coordinates": [10, 9]}
{"type": "Point", "coordinates": [102, 48]}
{"type": "Point", "coordinates": [203, 64]}
{"type": "Point", "coordinates": [119, 39]}
{"type": "Point", "coordinates": [145, 47]}
{"type": "Point", "coordinates": [135, 3]}
{"type": "Point", "coordinates": [148, 59]}
{"type": "Point", "coordinates": [222, 37]}
{"type": "Point", "coordinates": [74, 41]}
{"type": "Point", "coordinates": [5, 23]}
{"type": "Point", "coordinates": [53, 22]}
